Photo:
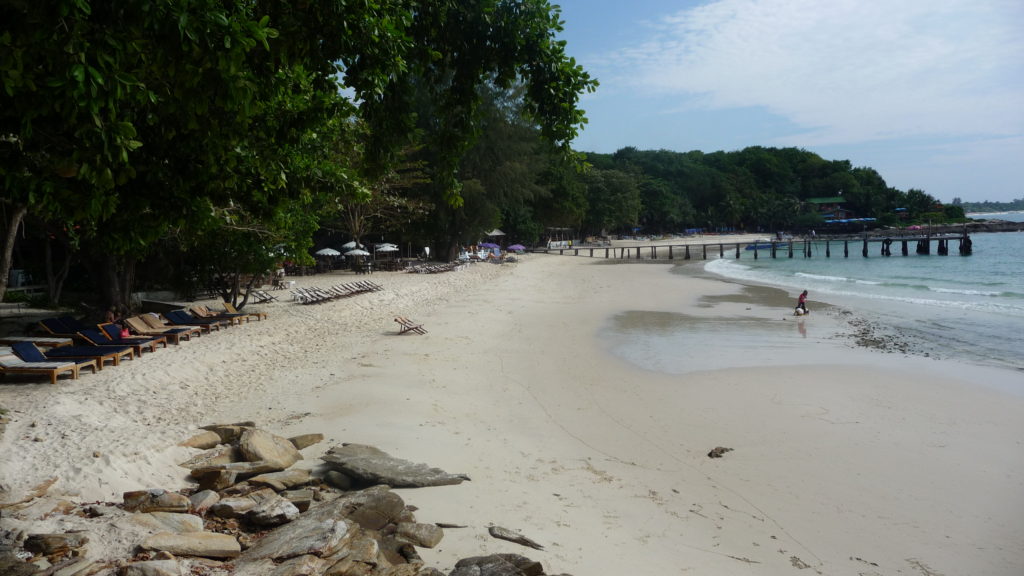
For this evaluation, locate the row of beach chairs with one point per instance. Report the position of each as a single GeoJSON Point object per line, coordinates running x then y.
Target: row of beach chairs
{"type": "Point", "coordinates": [315, 295]}
{"type": "Point", "coordinates": [435, 268]}
{"type": "Point", "coordinates": [72, 345]}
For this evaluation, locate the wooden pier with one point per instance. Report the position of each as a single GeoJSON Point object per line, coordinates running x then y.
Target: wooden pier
{"type": "Point", "coordinates": [881, 246]}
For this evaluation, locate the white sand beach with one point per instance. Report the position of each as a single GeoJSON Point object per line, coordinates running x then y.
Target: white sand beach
{"type": "Point", "coordinates": [844, 461]}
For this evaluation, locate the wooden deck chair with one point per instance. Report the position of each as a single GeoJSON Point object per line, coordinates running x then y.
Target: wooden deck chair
{"type": "Point", "coordinates": [41, 341]}
{"type": "Point", "coordinates": [409, 326]}
{"type": "Point", "coordinates": [202, 311]}
{"type": "Point", "coordinates": [98, 354]}
{"type": "Point", "coordinates": [183, 318]}
{"type": "Point", "coordinates": [230, 308]}
{"type": "Point", "coordinates": [174, 334]}
{"type": "Point", "coordinates": [13, 363]}
{"type": "Point", "coordinates": [263, 297]}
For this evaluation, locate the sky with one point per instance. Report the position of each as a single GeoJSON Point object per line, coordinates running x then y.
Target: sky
{"type": "Point", "coordinates": [930, 93]}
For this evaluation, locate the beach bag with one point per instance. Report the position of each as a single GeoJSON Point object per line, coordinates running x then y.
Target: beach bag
{"type": "Point", "coordinates": [125, 333]}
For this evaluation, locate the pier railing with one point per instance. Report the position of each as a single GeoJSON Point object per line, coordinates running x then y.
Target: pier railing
{"type": "Point", "coordinates": [882, 246]}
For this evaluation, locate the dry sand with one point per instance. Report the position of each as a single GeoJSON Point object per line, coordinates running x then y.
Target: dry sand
{"type": "Point", "coordinates": [846, 461]}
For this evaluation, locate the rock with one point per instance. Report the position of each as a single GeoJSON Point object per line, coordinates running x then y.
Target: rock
{"type": "Point", "coordinates": [338, 480]}
{"type": "Point", "coordinates": [321, 531]}
{"type": "Point", "coordinates": [302, 499]}
{"type": "Point", "coordinates": [50, 544]}
{"type": "Point", "coordinates": [423, 535]}
{"type": "Point", "coordinates": [306, 565]}
{"type": "Point", "coordinates": [169, 522]}
{"type": "Point", "coordinates": [369, 466]}
{"type": "Point", "coordinates": [212, 480]}
{"type": "Point", "coordinates": [718, 452]}
{"type": "Point", "coordinates": [515, 537]}
{"type": "Point", "coordinates": [233, 507]}
{"type": "Point", "coordinates": [497, 565]}
{"type": "Point", "coordinates": [259, 445]}
{"type": "Point", "coordinates": [228, 433]}
{"type": "Point", "coordinates": [203, 544]}
{"type": "Point", "coordinates": [151, 568]}
{"type": "Point", "coordinates": [271, 509]}
{"type": "Point", "coordinates": [201, 501]}
{"type": "Point", "coordinates": [155, 500]}
{"type": "Point", "coordinates": [203, 440]}
{"type": "Point", "coordinates": [306, 440]}
{"type": "Point", "coordinates": [213, 457]}
{"type": "Point", "coordinates": [373, 509]}
{"type": "Point", "coordinates": [282, 480]}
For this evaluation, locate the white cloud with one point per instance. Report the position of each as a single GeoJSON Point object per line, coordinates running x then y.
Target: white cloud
{"type": "Point", "coordinates": [843, 70]}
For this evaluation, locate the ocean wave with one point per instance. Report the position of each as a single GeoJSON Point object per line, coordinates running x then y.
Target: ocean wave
{"type": "Point", "coordinates": [965, 292]}
{"type": "Point", "coordinates": [822, 277]}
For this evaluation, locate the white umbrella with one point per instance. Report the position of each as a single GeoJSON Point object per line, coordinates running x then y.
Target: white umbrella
{"type": "Point", "coordinates": [496, 232]}
{"type": "Point", "coordinates": [388, 248]}
{"type": "Point", "coordinates": [357, 252]}
{"type": "Point", "coordinates": [348, 245]}
{"type": "Point", "coordinates": [327, 252]}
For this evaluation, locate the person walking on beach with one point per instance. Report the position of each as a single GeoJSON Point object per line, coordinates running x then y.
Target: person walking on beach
{"type": "Point", "coordinates": [801, 302]}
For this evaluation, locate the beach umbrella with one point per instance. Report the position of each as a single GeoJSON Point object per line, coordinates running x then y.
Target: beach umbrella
{"type": "Point", "coordinates": [495, 232]}
{"type": "Point", "coordinates": [327, 252]}
{"type": "Point", "coordinates": [348, 245]}
{"type": "Point", "coordinates": [357, 252]}
{"type": "Point", "coordinates": [487, 245]}
{"type": "Point", "coordinates": [516, 247]}
{"type": "Point", "coordinates": [387, 248]}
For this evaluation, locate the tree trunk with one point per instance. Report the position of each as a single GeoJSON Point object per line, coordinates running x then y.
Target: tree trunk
{"type": "Point", "coordinates": [6, 257]}
{"type": "Point", "coordinates": [55, 280]}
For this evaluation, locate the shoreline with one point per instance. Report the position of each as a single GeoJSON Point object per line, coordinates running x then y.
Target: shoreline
{"type": "Point", "coordinates": [878, 463]}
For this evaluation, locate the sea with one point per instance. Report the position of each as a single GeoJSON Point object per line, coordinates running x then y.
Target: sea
{"type": "Point", "coordinates": [968, 308]}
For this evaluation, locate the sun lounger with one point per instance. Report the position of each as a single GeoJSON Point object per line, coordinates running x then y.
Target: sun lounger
{"type": "Point", "coordinates": [138, 325]}
{"type": "Point", "coordinates": [200, 311]}
{"type": "Point", "coordinates": [11, 362]}
{"type": "Point", "coordinates": [409, 326]}
{"type": "Point", "coordinates": [98, 337]}
{"type": "Point", "coordinates": [230, 309]}
{"type": "Point", "coordinates": [101, 354]}
{"type": "Point", "coordinates": [56, 327]}
{"type": "Point", "coordinates": [183, 318]}
{"type": "Point", "coordinates": [42, 341]}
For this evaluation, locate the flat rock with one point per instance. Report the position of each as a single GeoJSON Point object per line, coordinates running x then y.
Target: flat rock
{"type": "Point", "coordinates": [497, 565]}
{"type": "Point", "coordinates": [368, 465]}
{"type": "Point", "coordinates": [271, 509]}
{"type": "Point", "coordinates": [151, 568]}
{"type": "Point", "coordinates": [213, 457]}
{"type": "Point", "coordinates": [212, 479]}
{"type": "Point", "coordinates": [169, 522]}
{"type": "Point", "coordinates": [418, 534]}
{"type": "Point", "coordinates": [155, 500]}
{"type": "Point", "coordinates": [203, 440]}
{"type": "Point", "coordinates": [202, 500]}
{"type": "Point", "coordinates": [228, 433]}
{"type": "Point", "coordinates": [306, 440]}
{"type": "Point", "coordinates": [262, 446]}
{"type": "Point", "coordinates": [47, 544]}
{"type": "Point", "coordinates": [302, 499]}
{"type": "Point", "coordinates": [203, 544]}
{"type": "Point", "coordinates": [306, 565]}
{"type": "Point", "coordinates": [321, 531]}
{"type": "Point", "coordinates": [234, 507]}
{"type": "Point", "coordinates": [283, 480]}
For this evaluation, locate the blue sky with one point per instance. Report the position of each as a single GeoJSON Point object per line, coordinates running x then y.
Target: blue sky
{"type": "Point", "coordinates": [928, 92]}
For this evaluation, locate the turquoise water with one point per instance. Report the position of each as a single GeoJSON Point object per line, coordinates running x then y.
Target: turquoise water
{"type": "Point", "coordinates": [965, 307]}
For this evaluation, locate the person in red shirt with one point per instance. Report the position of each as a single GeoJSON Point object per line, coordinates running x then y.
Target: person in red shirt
{"type": "Point", "coordinates": [801, 303]}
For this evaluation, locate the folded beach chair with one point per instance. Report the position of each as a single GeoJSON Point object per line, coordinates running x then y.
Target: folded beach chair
{"type": "Point", "coordinates": [183, 318]}
{"type": "Point", "coordinates": [230, 309]}
{"type": "Point", "coordinates": [409, 326]}
{"type": "Point", "coordinates": [34, 362]}
{"type": "Point", "coordinates": [138, 325]}
{"type": "Point", "coordinates": [201, 311]}
{"type": "Point", "coordinates": [98, 337]}
{"type": "Point", "coordinates": [263, 297]}
{"type": "Point", "coordinates": [101, 354]}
